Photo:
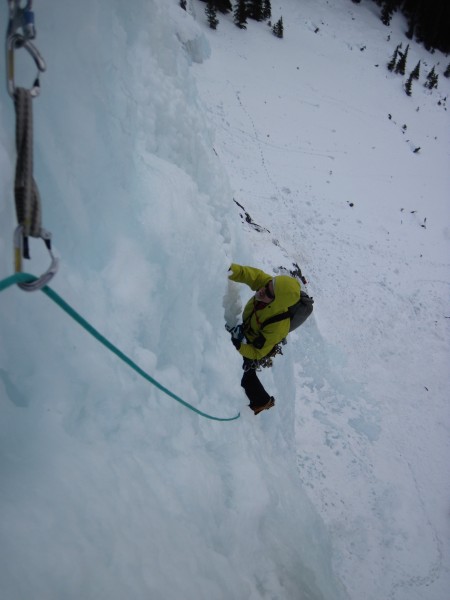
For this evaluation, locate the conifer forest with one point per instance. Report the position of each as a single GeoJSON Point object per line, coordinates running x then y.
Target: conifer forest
{"type": "Point", "coordinates": [427, 21]}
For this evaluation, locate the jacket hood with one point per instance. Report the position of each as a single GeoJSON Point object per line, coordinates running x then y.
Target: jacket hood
{"type": "Point", "coordinates": [287, 291]}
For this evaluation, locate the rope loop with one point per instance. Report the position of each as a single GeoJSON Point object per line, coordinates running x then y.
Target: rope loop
{"type": "Point", "coordinates": [27, 278]}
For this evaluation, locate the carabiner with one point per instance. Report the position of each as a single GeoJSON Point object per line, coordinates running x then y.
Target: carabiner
{"type": "Point", "coordinates": [22, 18]}
{"type": "Point", "coordinates": [19, 242]}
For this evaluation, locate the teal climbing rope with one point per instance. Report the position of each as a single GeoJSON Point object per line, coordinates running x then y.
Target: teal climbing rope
{"type": "Point", "coordinates": [27, 278]}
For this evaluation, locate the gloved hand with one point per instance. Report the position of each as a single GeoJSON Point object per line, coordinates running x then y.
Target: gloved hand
{"type": "Point", "coordinates": [230, 271]}
{"type": "Point", "coordinates": [236, 332]}
{"type": "Point", "coordinates": [236, 343]}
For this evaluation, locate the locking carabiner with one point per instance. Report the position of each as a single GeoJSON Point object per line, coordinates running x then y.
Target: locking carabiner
{"type": "Point", "coordinates": [21, 248]}
{"type": "Point", "coordinates": [21, 18]}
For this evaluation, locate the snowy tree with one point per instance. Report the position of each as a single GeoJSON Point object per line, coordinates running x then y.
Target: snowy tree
{"type": "Point", "coordinates": [392, 63]}
{"type": "Point", "coordinates": [447, 71]}
{"type": "Point", "coordinates": [401, 65]}
{"type": "Point", "coordinates": [389, 7]}
{"type": "Point", "coordinates": [411, 17]}
{"type": "Point", "coordinates": [223, 6]}
{"type": "Point", "coordinates": [255, 9]}
{"type": "Point", "coordinates": [278, 29]}
{"type": "Point", "coordinates": [428, 21]}
{"type": "Point", "coordinates": [183, 4]}
{"type": "Point", "coordinates": [415, 73]}
{"type": "Point", "coordinates": [386, 15]}
{"type": "Point", "coordinates": [408, 84]}
{"type": "Point", "coordinates": [240, 14]}
{"type": "Point", "coordinates": [211, 14]}
{"type": "Point", "coordinates": [266, 10]}
{"type": "Point", "coordinates": [432, 80]}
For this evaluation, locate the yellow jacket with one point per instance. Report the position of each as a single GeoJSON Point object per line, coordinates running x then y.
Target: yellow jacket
{"type": "Point", "coordinates": [287, 293]}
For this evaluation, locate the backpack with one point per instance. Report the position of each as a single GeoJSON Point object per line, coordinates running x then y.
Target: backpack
{"type": "Point", "coordinates": [297, 313]}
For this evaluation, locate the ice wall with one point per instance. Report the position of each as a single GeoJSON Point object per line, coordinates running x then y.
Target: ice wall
{"type": "Point", "coordinates": [109, 488]}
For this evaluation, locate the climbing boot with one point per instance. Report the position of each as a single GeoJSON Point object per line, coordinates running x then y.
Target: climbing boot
{"type": "Point", "coordinates": [258, 409]}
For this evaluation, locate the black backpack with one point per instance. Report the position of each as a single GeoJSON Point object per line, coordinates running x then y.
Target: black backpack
{"type": "Point", "coordinates": [297, 313]}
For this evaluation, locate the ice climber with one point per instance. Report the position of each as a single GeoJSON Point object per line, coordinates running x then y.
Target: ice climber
{"type": "Point", "coordinates": [261, 330]}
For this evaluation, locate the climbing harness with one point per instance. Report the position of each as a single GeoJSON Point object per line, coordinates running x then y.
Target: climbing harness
{"type": "Point", "coordinates": [237, 333]}
{"type": "Point", "coordinates": [266, 361]}
{"type": "Point", "coordinates": [27, 278]}
{"type": "Point", "coordinates": [21, 30]}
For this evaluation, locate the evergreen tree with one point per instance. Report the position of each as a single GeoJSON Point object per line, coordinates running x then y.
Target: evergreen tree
{"type": "Point", "coordinates": [432, 80]}
{"type": "Point", "coordinates": [428, 20]}
{"type": "Point", "coordinates": [240, 14]}
{"type": "Point", "coordinates": [278, 29]}
{"type": "Point", "coordinates": [415, 73]}
{"type": "Point", "coordinates": [266, 10]}
{"type": "Point", "coordinates": [183, 4]}
{"type": "Point", "coordinates": [223, 6]}
{"type": "Point", "coordinates": [211, 14]}
{"type": "Point", "coordinates": [435, 81]}
{"type": "Point", "coordinates": [255, 9]}
{"type": "Point", "coordinates": [401, 65]}
{"type": "Point", "coordinates": [392, 63]}
{"type": "Point", "coordinates": [389, 7]}
{"type": "Point", "coordinates": [447, 71]}
{"type": "Point", "coordinates": [408, 84]}
{"type": "Point", "coordinates": [410, 11]}
{"type": "Point", "coordinates": [433, 24]}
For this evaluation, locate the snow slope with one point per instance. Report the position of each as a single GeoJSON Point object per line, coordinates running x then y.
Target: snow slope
{"type": "Point", "coordinates": [111, 489]}
{"type": "Point", "coordinates": [318, 139]}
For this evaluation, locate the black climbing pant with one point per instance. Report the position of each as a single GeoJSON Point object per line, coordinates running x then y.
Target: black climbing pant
{"type": "Point", "coordinates": [253, 387]}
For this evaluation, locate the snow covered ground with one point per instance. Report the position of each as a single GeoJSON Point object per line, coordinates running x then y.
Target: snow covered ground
{"type": "Point", "coordinates": [318, 139]}
{"type": "Point", "coordinates": [148, 126]}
